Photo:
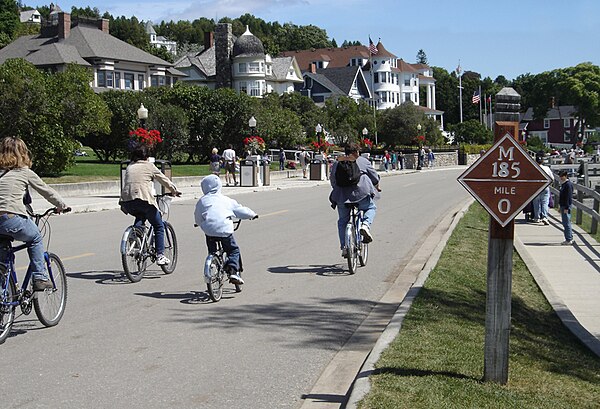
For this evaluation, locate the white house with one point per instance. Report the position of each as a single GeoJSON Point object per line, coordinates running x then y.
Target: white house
{"type": "Point", "coordinates": [160, 41]}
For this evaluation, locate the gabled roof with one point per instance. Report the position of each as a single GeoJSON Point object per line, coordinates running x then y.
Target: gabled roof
{"type": "Point", "coordinates": [382, 52]}
{"type": "Point", "coordinates": [281, 66]}
{"type": "Point", "coordinates": [405, 67]}
{"type": "Point", "coordinates": [88, 42]}
{"type": "Point", "coordinates": [337, 57]}
{"type": "Point", "coordinates": [564, 111]}
{"type": "Point", "coordinates": [204, 61]}
{"type": "Point", "coordinates": [27, 15]}
{"type": "Point", "coordinates": [339, 80]}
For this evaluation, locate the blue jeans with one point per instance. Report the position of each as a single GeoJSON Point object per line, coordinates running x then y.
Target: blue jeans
{"type": "Point", "coordinates": [367, 205]}
{"type": "Point", "coordinates": [23, 229]}
{"type": "Point", "coordinates": [566, 222]}
{"type": "Point", "coordinates": [143, 211]}
{"type": "Point", "coordinates": [229, 246]}
{"type": "Point", "coordinates": [544, 200]}
{"type": "Point", "coordinates": [536, 207]}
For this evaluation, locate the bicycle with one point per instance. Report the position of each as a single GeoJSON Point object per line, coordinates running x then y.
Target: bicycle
{"type": "Point", "coordinates": [357, 251]}
{"type": "Point", "coordinates": [214, 270]}
{"type": "Point", "coordinates": [49, 304]}
{"type": "Point", "coordinates": [137, 245]}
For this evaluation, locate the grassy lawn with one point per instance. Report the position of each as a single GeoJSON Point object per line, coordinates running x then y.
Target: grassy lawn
{"type": "Point", "coordinates": [437, 359]}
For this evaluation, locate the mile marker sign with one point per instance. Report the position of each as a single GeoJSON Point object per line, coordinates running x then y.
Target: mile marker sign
{"type": "Point", "coordinates": [504, 179]}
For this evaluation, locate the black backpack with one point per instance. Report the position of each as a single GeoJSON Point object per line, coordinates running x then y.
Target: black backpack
{"type": "Point", "coordinates": [347, 173]}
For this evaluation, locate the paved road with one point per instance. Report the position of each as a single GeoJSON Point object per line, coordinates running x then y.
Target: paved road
{"type": "Point", "coordinates": [161, 342]}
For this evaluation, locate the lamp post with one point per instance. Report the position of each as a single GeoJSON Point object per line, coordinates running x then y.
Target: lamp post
{"type": "Point", "coordinates": [318, 130]}
{"type": "Point", "coordinates": [252, 125]}
{"type": "Point", "coordinates": [365, 132]}
{"type": "Point", "coordinates": [142, 114]}
{"type": "Point", "coordinates": [419, 156]}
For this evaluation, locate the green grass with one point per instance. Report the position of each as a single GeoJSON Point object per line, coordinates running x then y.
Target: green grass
{"type": "Point", "coordinates": [437, 359]}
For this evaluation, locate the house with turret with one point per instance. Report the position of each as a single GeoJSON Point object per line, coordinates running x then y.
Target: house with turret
{"type": "Point", "coordinates": [239, 63]}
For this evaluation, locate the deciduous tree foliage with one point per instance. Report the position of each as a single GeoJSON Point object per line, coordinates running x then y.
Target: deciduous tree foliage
{"type": "Point", "coordinates": [472, 132]}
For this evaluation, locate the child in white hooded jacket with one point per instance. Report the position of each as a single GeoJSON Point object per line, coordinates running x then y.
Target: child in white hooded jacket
{"type": "Point", "coordinates": [214, 213]}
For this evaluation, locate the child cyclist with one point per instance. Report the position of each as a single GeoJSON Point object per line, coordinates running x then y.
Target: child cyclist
{"type": "Point", "coordinates": [214, 213]}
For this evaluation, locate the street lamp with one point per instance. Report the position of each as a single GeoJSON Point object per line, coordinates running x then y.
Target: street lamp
{"type": "Point", "coordinates": [318, 130]}
{"type": "Point", "coordinates": [420, 157]}
{"type": "Point", "coordinates": [142, 114]}
{"type": "Point", "coordinates": [252, 125]}
{"type": "Point", "coordinates": [365, 132]}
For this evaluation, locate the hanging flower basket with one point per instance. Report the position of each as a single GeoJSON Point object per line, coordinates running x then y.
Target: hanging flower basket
{"type": "Point", "coordinates": [254, 144]}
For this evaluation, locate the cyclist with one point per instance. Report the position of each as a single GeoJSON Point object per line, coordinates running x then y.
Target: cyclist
{"type": "Point", "coordinates": [138, 199]}
{"type": "Point", "coordinates": [363, 192]}
{"type": "Point", "coordinates": [15, 178]}
{"type": "Point", "coordinates": [214, 213]}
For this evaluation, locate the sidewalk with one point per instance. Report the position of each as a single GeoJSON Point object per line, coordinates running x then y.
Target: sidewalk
{"type": "Point", "coordinates": [569, 276]}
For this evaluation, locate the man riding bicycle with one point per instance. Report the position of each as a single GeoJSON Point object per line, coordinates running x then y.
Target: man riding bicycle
{"type": "Point", "coordinates": [363, 191]}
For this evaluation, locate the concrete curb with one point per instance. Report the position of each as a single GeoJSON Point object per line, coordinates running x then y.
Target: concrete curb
{"type": "Point", "coordinates": [362, 385]}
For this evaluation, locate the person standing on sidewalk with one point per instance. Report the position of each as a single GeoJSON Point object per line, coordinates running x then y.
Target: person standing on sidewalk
{"type": "Point", "coordinates": [281, 159]}
{"type": "Point", "coordinates": [304, 159]}
{"type": "Point", "coordinates": [565, 202]}
{"type": "Point", "coordinates": [540, 203]}
{"type": "Point", "coordinates": [215, 162]}
{"type": "Point", "coordinates": [229, 158]}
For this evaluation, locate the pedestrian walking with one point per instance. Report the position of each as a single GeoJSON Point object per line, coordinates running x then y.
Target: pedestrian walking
{"type": "Point", "coordinates": [565, 202]}
{"type": "Point", "coordinates": [281, 159]}
{"type": "Point", "coordinates": [215, 162]}
{"type": "Point", "coordinates": [430, 158]}
{"type": "Point", "coordinates": [304, 160]}
{"type": "Point", "coordinates": [229, 158]}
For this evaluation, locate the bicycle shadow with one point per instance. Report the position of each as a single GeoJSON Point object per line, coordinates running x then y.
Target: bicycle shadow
{"type": "Point", "coordinates": [332, 270]}
{"type": "Point", "coordinates": [190, 297]}
{"type": "Point", "coordinates": [112, 277]}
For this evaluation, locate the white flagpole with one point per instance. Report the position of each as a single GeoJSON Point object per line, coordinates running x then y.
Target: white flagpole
{"type": "Point", "coordinates": [485, 111]}
{"type": "Point", "coordinates": [480, 114]}
{"type": "Point", "coordinates": [459, 73]}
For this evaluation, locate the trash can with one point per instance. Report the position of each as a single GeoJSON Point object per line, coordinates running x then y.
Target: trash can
{"type": "Point", "coordinates": [265, 172]}
{"type": "Point", "coordinates": [317, 170]}
{"type": "Point", "coordinates": [163, 165]}
{"type": "Point", "coordinates": [248, 170]}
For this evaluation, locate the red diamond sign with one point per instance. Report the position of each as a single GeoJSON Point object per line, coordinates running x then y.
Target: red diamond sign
{"type": "Point", "coordinates": [504, 179]}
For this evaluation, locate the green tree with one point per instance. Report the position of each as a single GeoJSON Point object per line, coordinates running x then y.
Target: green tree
{"type": "Point", "coordinates": [9, 18]}
{"type": "Point", "coordinates": [130, 30]}
{"type": "Point", "coordinates": [421, 57]}
{"type": "Point", "coordinates": [278, 126]}
{"type": "Point", "coordinates": [471, 132]}
{"type": "Point", "coordinates": [30, 111]}
{"type": "Point", "coordinates": [398, 126]}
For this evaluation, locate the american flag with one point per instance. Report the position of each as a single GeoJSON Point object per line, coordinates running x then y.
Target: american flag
{"type": "Point", "coordinates": [476, 97]}
{"type": "Point", "coordinates": [372, 48]}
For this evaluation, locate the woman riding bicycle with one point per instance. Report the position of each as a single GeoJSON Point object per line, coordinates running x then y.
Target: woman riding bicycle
{"type": "Point", "coordinates": [138, 199]}
{"type": "Point", "coordinates": [15, 178]}
{"type": "Point", "coordinates": [363, 192]}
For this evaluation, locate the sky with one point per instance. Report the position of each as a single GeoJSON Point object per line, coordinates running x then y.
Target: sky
{"type": "Point", "coordinates": [508, 37]}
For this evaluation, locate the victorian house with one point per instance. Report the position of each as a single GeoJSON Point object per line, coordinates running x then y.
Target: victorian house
{"type": "Point", "coordinates": [160, 41]}
{"type": "Point", "coordinates": [389, 80]}
{"type": "Point", "coordinates": [115, 63]}
{"type": "Point", "coordinates": [239, 63]}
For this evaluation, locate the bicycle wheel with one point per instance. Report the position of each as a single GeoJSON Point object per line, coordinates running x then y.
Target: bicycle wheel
{"type": "Point", "coordinates": [132, 254]}
{"type": "Point", "coordinates": [7, 312]}
{"type": "Point", "coordinates": [351, 246]}
{"type": "Point", "coordinates": [170, 249]}
{"type": "Point", "coordinates": [50, 304]}
{"type": "Point", "coordinates": [363, 254]}
{"type": "Point", "coordinates": [215, 286]}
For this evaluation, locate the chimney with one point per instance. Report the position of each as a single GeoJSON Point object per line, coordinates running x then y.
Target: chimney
{"type": "Point", "coordinates": [223, 51]}
{"type": "Point", "coordinates": [64, 25]}
{"type": "Point", "coordinates": [103, 25]}
{"type": "Point", "coordinates": [208, 40]}
{"type": "Point", "coordinates": [312, 67]}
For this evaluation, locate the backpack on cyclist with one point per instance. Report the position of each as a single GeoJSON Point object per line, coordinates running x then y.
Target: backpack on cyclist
{"type": "Point", "coordinates": [347, 173]}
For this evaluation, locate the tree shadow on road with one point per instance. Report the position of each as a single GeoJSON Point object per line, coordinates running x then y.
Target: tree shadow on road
{"type": "Point", "coordinates": [332, 270]}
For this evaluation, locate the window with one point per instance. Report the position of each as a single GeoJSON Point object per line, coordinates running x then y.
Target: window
{"type": "Point", "coordinates": [255, 89]}
{"type": "Point", "coordinates": [140, 81]}
{"type": "Point", "coordinates": [376, 78]}
{"type": "Point", "coordinates": [406, 81]}
{"type": "Point", "coordinates": [243, 87]}
{"type": "Point", "coordinates": [242, 67]}
{"type": "Point", "coordinates": [161, 81]}
{"type": "Point", "coordinates": [253, 67]}
{"type": "Point", "coordinates": [567, 123]}
{"type": "Point", "coordinates": [109, 79]}
{"type": "Point", "coordinates": [154, 81]}
{"type": "Point", "coordinates": [546, 123]}
{"type": "Point", "coordinates": [117, 80]}
{"type": "Point", "coordinates": [129, 80]}
{"type": "Point", "coordinates": [406, 96]}
{"type": "Point", "coordinates": [101, 78]}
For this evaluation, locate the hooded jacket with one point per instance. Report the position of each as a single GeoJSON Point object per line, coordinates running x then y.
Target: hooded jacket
{"type": "Point", "coordinates": [215, 211]}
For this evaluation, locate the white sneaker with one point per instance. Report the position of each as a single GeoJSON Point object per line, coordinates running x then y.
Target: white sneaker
{"type": "Point", "coordinates": [365, 232]}
{"type": "Point", "coordinates": [236, 279]}
{"type": "Point", "coordinates": [162, 260]}
{"type": "Point", "coordinates": [545, 221]}
{"type": "Point", "coordinates": [568, 242]}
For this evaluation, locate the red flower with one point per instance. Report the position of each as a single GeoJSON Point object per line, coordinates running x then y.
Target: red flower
{"type": "Point", "coordinates": [146, 137]}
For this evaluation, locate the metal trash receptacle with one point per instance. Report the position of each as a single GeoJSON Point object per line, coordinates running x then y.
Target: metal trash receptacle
{"type": "Point", "coordinates": [163, 165]}
{"type": "Point", "coordinates": [248, 172]}
{"type": "Point", "coordinates": [317, 170]}
{"type": "Point", "coordinates": [265, 172]}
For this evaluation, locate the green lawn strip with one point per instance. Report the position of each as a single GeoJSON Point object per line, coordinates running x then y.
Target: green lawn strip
{"type": "Point", "coordinates": [437, 359]}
